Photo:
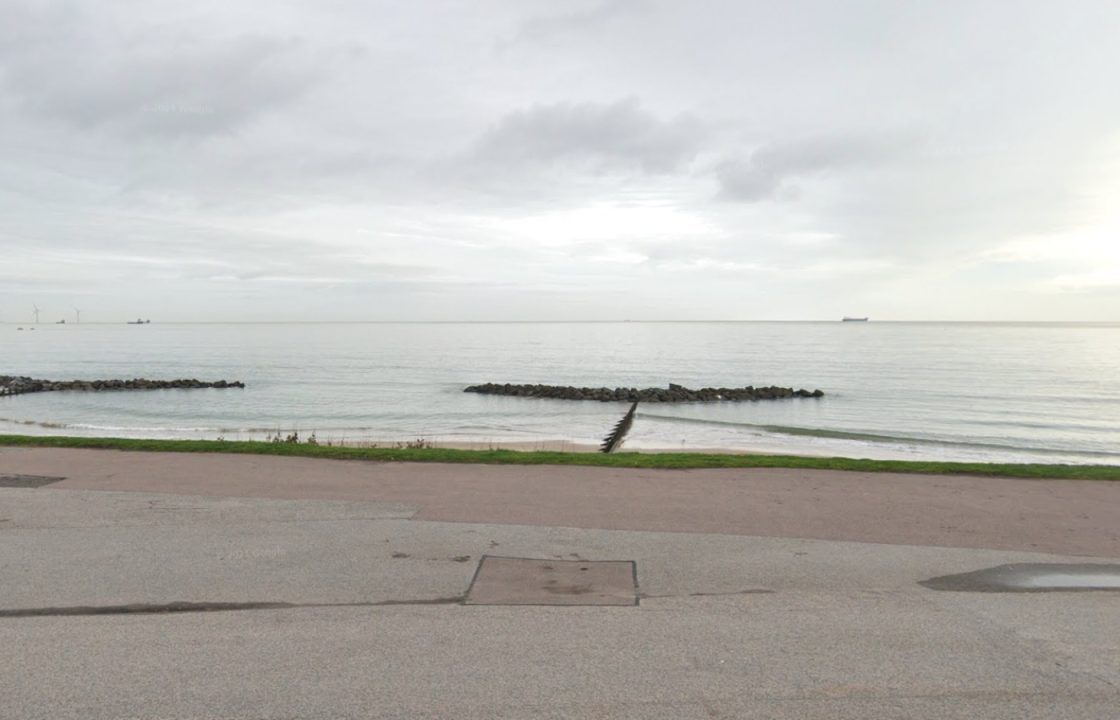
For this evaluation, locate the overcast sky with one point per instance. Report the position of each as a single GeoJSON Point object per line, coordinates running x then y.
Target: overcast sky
{"type": "Point", "coordinates": [604, 159]}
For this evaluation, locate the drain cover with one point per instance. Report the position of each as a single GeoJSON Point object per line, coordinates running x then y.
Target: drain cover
{"type": "Point", "coordinates": [1032, 577]}
{"type": "Point", "coordinates": [27, 481]}
{"type": "Point", "coordinates": [524, 581]}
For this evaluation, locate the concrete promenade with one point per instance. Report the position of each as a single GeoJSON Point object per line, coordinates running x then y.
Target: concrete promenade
{"type": "Point", "coordinates": [762, 593]}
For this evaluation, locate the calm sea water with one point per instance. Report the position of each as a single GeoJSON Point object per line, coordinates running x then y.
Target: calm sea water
{"type": "Point", "coordinates": [966, 391]}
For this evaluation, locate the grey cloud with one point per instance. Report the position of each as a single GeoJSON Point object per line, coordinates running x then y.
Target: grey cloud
{"type": "Point", "coordinates": [768, 170]}
{"type": "Point", "coordinates": [80, 70]}
{"type": "Point", "coordinates": [619, 135]}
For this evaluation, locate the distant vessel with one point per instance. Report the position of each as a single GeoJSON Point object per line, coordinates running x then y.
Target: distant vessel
{"type": "Point", "coordinates": [138, 321]}
{"type": "Point", "coordinates": [854, 319]}
{"type": "Point", "coordinates": [61, 322]}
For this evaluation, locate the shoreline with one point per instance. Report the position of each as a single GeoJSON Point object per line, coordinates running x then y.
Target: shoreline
{"type": "Point", "coordinates": [901, 450]}
{"type": "Point", "coordinates": [558, 445]}
{"type": "Point", "coordinates": [627, 459]}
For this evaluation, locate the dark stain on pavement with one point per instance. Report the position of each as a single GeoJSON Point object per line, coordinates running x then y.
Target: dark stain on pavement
{"type": "Point", "coordinates": [27, 481]}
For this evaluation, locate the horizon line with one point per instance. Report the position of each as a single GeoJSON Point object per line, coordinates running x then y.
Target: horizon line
{"type": "Point", "coordinates": [551, 322]}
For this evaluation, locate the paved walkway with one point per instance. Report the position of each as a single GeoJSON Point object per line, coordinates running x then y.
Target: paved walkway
{"type": "Point", "coordinates": [768, 594]}
{"type": "Point", "coordinates": [1077, 517]}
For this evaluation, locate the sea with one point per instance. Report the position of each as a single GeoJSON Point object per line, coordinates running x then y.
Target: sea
{"type": "Point", "coordinates": [1001, 392]}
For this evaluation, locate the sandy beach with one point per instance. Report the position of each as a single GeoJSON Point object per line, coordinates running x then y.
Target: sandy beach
{"type": "Point", "coordinates": [554, 445]}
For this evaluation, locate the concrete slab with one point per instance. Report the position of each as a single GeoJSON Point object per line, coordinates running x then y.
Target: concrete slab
{"type": "Point", "coordinates": [528, 581]}
{"type": "Point", "coordinates": [772, 656]}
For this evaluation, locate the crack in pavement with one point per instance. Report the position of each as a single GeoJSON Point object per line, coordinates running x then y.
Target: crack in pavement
{"type": "Point", "coordinates": [200, 607]}
{"type": "Point", "coordinates": [751, 591]}
{"type": "Point", "coordinates": [203, 607]}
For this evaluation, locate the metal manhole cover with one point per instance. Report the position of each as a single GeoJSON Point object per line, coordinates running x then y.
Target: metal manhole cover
{"type": "Point", "coordinates": [525, 581]}
{"type": "Point", "coordinates": [27, 481]}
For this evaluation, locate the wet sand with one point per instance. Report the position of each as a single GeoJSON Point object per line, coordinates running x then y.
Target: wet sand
{"type": "Point", "coordinates": [571, 446]}
{"type": "Point", "coordinates": [1071, 517]}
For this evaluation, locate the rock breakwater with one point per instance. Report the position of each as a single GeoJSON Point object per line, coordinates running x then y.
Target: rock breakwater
{"type": "Point", "coordinates": [673, 393]}
{"type": "Point", "coordinates": [17, 385]}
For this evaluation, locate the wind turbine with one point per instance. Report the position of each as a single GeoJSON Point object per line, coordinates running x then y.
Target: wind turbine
{"type": "Point", "coordinates": [36, 313]}
{"type": "Point", "coordinates": [77, 315]}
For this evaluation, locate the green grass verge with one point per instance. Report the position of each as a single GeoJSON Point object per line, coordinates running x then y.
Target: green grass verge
{"type": "Point", "coordinates": [680, 461]}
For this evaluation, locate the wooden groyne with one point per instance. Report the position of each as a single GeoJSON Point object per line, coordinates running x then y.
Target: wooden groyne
{"type": "Point", "coordinates": [17, 385]}
{"type": "Point", "coordinates": [672, 394]}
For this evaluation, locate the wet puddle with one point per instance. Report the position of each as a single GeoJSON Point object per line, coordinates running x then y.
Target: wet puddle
{"type": "Point", "coordinates": [1031, 577]}
{"type": "Point", "coordinates": [27, 481]}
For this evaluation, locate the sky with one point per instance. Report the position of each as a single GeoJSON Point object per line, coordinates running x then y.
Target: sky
{"type": "Point", "coordinates": [585, 160]}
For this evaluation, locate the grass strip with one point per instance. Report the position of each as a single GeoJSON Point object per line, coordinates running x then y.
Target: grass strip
{"type": "Point", "coordinates": [674, 461]}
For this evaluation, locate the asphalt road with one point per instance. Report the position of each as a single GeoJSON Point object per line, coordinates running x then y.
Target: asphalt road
{"type": "Point", "coordinates": [363, 618]}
